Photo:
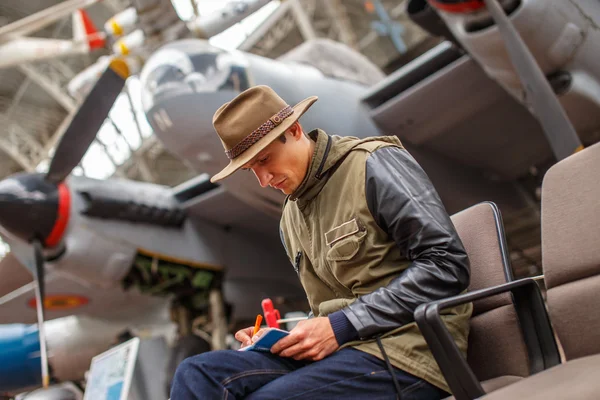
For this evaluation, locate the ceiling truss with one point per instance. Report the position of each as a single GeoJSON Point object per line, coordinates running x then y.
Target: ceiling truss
{"type": "Point", "coordinates": [28, 146]}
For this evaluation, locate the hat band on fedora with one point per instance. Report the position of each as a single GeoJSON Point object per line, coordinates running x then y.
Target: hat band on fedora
{"type": "Point", "coordinates": [259, 133]}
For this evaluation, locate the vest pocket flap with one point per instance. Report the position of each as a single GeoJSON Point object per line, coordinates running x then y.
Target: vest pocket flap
{"type": "Point", "coordinates": [342, 231]}
{"type": "Point", "coordinates": [347, 247]}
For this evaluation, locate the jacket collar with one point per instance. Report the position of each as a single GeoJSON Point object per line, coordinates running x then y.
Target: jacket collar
{"type": "Point", "coordinates": [313, 181]}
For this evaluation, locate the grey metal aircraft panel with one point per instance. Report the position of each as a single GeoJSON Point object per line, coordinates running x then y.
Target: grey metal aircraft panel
{"type": "Point", "coordinates": [13, 274]}
{"type": "Point", "coordinates": [459, 111]}
{"type": "Point", "coordinates": [221, 208]}
{"type": "Point", "coordinates": [115, 303]}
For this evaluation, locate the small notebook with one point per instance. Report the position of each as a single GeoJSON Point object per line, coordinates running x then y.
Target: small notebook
{"type": "Point", "coordinates": [266, 341]}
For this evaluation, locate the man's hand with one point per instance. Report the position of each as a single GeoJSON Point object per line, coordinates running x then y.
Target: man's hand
{"type": "Point", "coordinates": [312, 339]}
{"type": "Point", "coordinates": [245, 337]}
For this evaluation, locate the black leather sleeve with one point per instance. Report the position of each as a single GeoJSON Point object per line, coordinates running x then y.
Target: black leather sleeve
{"type": "Point", "coordinates": [405, 204]}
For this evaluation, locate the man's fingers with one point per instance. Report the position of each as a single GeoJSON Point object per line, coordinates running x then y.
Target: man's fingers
{"type": "Point", "coordinates": [285, 342]}
{"type": "Point", "coordinates": [307, 355]}
{"type": "Point", "coordinates": [259, 334]}
{"type": "Point", "coordinates": [302, 346]}
{"type": "Point", "coordinates": [294, 350]}
{"type": "Point", "coordinates": [243, 335]}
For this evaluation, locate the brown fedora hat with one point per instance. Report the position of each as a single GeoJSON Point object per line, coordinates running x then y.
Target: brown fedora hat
{"type": "Point", "coordinates": [252, 121]}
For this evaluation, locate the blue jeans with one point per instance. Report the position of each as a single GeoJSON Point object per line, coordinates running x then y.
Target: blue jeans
{"type": "Point", "coordinates": [250, 375]}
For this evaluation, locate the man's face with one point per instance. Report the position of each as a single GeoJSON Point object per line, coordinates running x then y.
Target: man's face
{"type": "Point", "coordinates": [281, 165]}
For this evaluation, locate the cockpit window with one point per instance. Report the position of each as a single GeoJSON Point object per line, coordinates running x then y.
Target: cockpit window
{"type": "Point", "coordinates": [191, 66]}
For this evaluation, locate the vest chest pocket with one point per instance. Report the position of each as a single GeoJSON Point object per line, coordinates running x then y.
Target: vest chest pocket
{"type": "Point", "coordinates": [344, 241]}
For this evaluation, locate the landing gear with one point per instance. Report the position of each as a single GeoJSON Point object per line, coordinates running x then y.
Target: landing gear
{"type": "Point", "coordinates": [199, 332]}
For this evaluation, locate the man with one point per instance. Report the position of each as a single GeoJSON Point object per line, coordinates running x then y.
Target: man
{"type": "Point", "coordinates": [370, 240]}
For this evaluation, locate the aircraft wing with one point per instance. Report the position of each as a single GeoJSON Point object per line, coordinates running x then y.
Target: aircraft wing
{"type": "Point", "coordinates": [213, 203]}
{"type": "Point", "coordinates": [66, 295]}
{"type": "Point", "coordinates": [444, 102]}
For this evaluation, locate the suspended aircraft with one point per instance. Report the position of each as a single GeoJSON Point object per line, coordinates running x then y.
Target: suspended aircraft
{"type": "Point", "coordinates": [473, 137]}
{"type": "Point", "coordinates": [139, 30]}
{"type": "Point", "coordinates": [131, 34]}
{"type": "Point", "coordinates": [17, 48]}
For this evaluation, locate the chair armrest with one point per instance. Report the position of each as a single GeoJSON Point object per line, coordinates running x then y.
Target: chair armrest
{"type": "Point", "coordinates": [533, 320]}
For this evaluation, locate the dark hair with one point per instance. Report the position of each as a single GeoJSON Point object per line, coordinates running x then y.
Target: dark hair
{"type": "Point", "coordinates": [282, 138]}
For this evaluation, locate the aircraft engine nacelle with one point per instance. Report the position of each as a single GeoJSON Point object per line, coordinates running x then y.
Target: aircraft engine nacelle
{"type": "Point", "coordinates": [72, 342]}
{"type": "Point", "coordinates": [562, 36]}
{"type": "Point", "coordinates": [112, 222]}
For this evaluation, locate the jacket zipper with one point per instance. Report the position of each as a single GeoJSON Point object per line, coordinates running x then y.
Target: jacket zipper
{"type": "Point", "coordinates": [297, 261]}
{"type": "Point", "coordinates": [325, 154]}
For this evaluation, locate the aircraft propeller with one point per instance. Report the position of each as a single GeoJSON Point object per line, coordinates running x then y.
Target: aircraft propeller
{"type": "Point", "coordinates": [558, 128]}
{"type": "Point", "coordinates": [35, 207]}
{"type": "Point", "coordinates": [85, 123]}
{"type": "Point", "coordinates": [39, 304]}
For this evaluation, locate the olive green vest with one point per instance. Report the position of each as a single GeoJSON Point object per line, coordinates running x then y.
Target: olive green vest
{"type": "Point", "coordinates": [341, 253]}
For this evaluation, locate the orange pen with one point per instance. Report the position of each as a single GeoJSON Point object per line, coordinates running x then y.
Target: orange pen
{"type": "Point", "coordinates": [259, 318]}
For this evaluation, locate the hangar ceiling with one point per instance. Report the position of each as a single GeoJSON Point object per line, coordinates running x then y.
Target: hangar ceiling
{"type": "Point", "coordinates": [34, 100]}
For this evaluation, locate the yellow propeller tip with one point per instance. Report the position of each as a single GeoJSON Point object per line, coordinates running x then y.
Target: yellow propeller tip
{"type": "Point", "coordinates": [120, 67]}
{"type": "Point", "coordinates": [117, 29]}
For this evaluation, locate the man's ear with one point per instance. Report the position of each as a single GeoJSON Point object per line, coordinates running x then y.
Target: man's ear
{"type": "Point", "coordinates": [295, 130]}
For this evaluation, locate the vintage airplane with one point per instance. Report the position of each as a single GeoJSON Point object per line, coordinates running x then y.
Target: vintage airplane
{"type": "Point", "coordinates": [132, 34]}
{"type": "Point", "coordinates": [137, 34]}
{"type": "Point", "coordinates": [16, 48]}
{"type": "Point", "coordinates": [474, 139]}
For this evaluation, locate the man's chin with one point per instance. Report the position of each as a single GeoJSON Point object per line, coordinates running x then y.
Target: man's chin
{"type": "Point", "coordinates": [287, 190]}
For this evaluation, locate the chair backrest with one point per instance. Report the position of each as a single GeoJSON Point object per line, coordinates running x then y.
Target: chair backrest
{"type": "Point", "coordinates": [571, 250]}
{"type": "Point", "coordinates": [496, 344]}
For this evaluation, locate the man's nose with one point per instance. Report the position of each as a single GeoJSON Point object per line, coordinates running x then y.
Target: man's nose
{"type": "Point", "coordinates": [263, 177]}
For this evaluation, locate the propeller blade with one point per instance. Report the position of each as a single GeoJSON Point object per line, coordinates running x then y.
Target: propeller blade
{"type": "Point", "coordinates": [81, 130]}
{"type": "Point", "coordinates": [556, 125]}
{"type": "Point", "coordinates": [39, 296]}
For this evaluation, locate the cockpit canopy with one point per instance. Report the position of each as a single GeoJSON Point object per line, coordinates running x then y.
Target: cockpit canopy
{"type": "Point", "coordinates": [190, 66]}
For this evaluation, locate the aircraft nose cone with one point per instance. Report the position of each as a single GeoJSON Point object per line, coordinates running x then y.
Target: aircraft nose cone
{"type": "Point", "coordinates": [28, 206]}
